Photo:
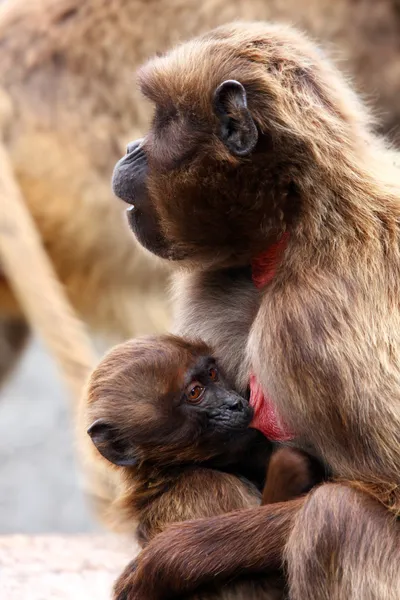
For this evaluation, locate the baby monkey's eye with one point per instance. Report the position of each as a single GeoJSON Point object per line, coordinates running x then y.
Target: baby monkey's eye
{"type": "Point", "coordinates": [194, 392]}
{"type": "Point", "coordinates": [213, 374]}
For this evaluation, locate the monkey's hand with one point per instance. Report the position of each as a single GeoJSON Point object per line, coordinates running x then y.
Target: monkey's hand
{"type": "Point", "coordinates": [188, 555]}
{"type": "Point", "coordinates": [290, 474]}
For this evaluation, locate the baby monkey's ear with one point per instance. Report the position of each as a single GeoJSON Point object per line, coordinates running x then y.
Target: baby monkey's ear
{"type": "Point", "coordinates": [108, 442]}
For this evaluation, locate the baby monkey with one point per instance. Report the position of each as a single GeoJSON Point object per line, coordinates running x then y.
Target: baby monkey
{"type": "Point", "coordinates": [162, 411]}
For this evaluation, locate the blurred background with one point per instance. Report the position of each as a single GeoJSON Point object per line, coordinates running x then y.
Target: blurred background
{"type": "Point", "coordinates": [68, 106]}
{"type": "Point", "coordinates": [40, 489]}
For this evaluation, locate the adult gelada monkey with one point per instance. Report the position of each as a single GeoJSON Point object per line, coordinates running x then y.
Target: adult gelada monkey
{"type": "Point", "coordinates": [164, 416]}
{"type": "Point", "coordinates": [260, 154]}
{"type": "Point", "coordinates": [68, 107]}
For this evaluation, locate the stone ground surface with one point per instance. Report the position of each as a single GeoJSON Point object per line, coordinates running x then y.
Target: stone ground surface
{"type": "Point", "coordinates": [61, 567]}
{"type": "Point", "coordinates": [39, 482]}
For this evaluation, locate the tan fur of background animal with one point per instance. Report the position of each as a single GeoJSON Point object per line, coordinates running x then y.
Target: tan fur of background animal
{"type": "Point", "coordinates": [68, 104]}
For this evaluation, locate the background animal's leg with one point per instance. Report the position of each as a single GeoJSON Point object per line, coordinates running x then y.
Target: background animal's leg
{"type": "Point", "coordinates": [34, 282]}
{"type": "Point", "coordinates": [344, 545]}
{"type": "Point", "coordinates": [14, 333]}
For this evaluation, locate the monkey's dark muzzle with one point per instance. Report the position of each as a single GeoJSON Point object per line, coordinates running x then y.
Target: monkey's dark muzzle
{"type": "Point", "coordinates": [232, 413]}
{"type": "Point", "coordinates": [129, 184]}
{"type": "Point", "coordinates": [128, 180]}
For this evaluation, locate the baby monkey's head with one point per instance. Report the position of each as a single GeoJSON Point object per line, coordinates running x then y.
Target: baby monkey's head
{"type": "Point", "coordinates": [164, 400]}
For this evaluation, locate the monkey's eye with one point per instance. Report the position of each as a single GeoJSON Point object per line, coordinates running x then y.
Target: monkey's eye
{"type": "Point", "coordinates": [213, 374]}
{"type": "Point", "coordinates": [194, 392]}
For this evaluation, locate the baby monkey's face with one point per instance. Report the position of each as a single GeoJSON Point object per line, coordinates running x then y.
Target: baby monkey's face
{"type": "Point", "coordinates": [166, 401]}
{"type": "Point", "coordinates": [206, 394]}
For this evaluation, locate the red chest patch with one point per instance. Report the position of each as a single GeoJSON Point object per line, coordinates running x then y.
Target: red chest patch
{"type": "Point", "coordinates": [266, 418]}
{"type": "Point", "coordinates": [265, 265]}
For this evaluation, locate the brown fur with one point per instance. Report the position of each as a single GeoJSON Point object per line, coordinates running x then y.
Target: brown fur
{"type": "Point", "coordinates": [325, 340]}
{"type": "Point", "coordinates": [14, 334]}
{"type": "Point", "coordinates": [178, 475]}
{"type": "Point", "coordinates": [68, 105]}
{"type": "Point", "coordinates": [289, 474]}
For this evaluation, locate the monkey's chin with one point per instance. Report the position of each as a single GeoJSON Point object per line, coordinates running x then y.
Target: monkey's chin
{"type": "Point", "coordinates": [151, 242]}
{"type": "Point", "coordinates": [230, 424]}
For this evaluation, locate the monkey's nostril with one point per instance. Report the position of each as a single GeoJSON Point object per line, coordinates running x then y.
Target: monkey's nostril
{"type": "Point", "coordinates": [236, 405]}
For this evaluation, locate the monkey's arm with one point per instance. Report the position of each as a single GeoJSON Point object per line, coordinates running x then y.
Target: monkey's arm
{"type": "Point", "coordinates": [331, 541]}
{"type": "Point", "coordinates": [190, 554]}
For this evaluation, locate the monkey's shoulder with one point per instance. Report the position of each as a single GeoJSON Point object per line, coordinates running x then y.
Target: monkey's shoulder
{"type": "Point", "coordinates": [191, 492]}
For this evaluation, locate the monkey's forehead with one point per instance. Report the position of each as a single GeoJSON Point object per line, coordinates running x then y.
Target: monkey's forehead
{"type": "Point", "coordinates": [191, 72]}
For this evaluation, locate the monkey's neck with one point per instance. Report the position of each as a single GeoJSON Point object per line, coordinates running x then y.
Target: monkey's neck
{"type": "Point", "coordinates": [347, 217]}
{"type": "Point", "coordinates": [351, 202]}
{"type": "Point", "coordinates": [150, 481]}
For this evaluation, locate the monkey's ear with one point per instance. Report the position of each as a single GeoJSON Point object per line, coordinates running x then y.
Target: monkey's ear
{"type": "Point", "coordinates": [237, 128]}
{"type": "Point", "coordinates": [105, 438]}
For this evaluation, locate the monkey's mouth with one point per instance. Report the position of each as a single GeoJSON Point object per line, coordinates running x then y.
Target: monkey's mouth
{"type": "Point", "coordinates": [228, 421]}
